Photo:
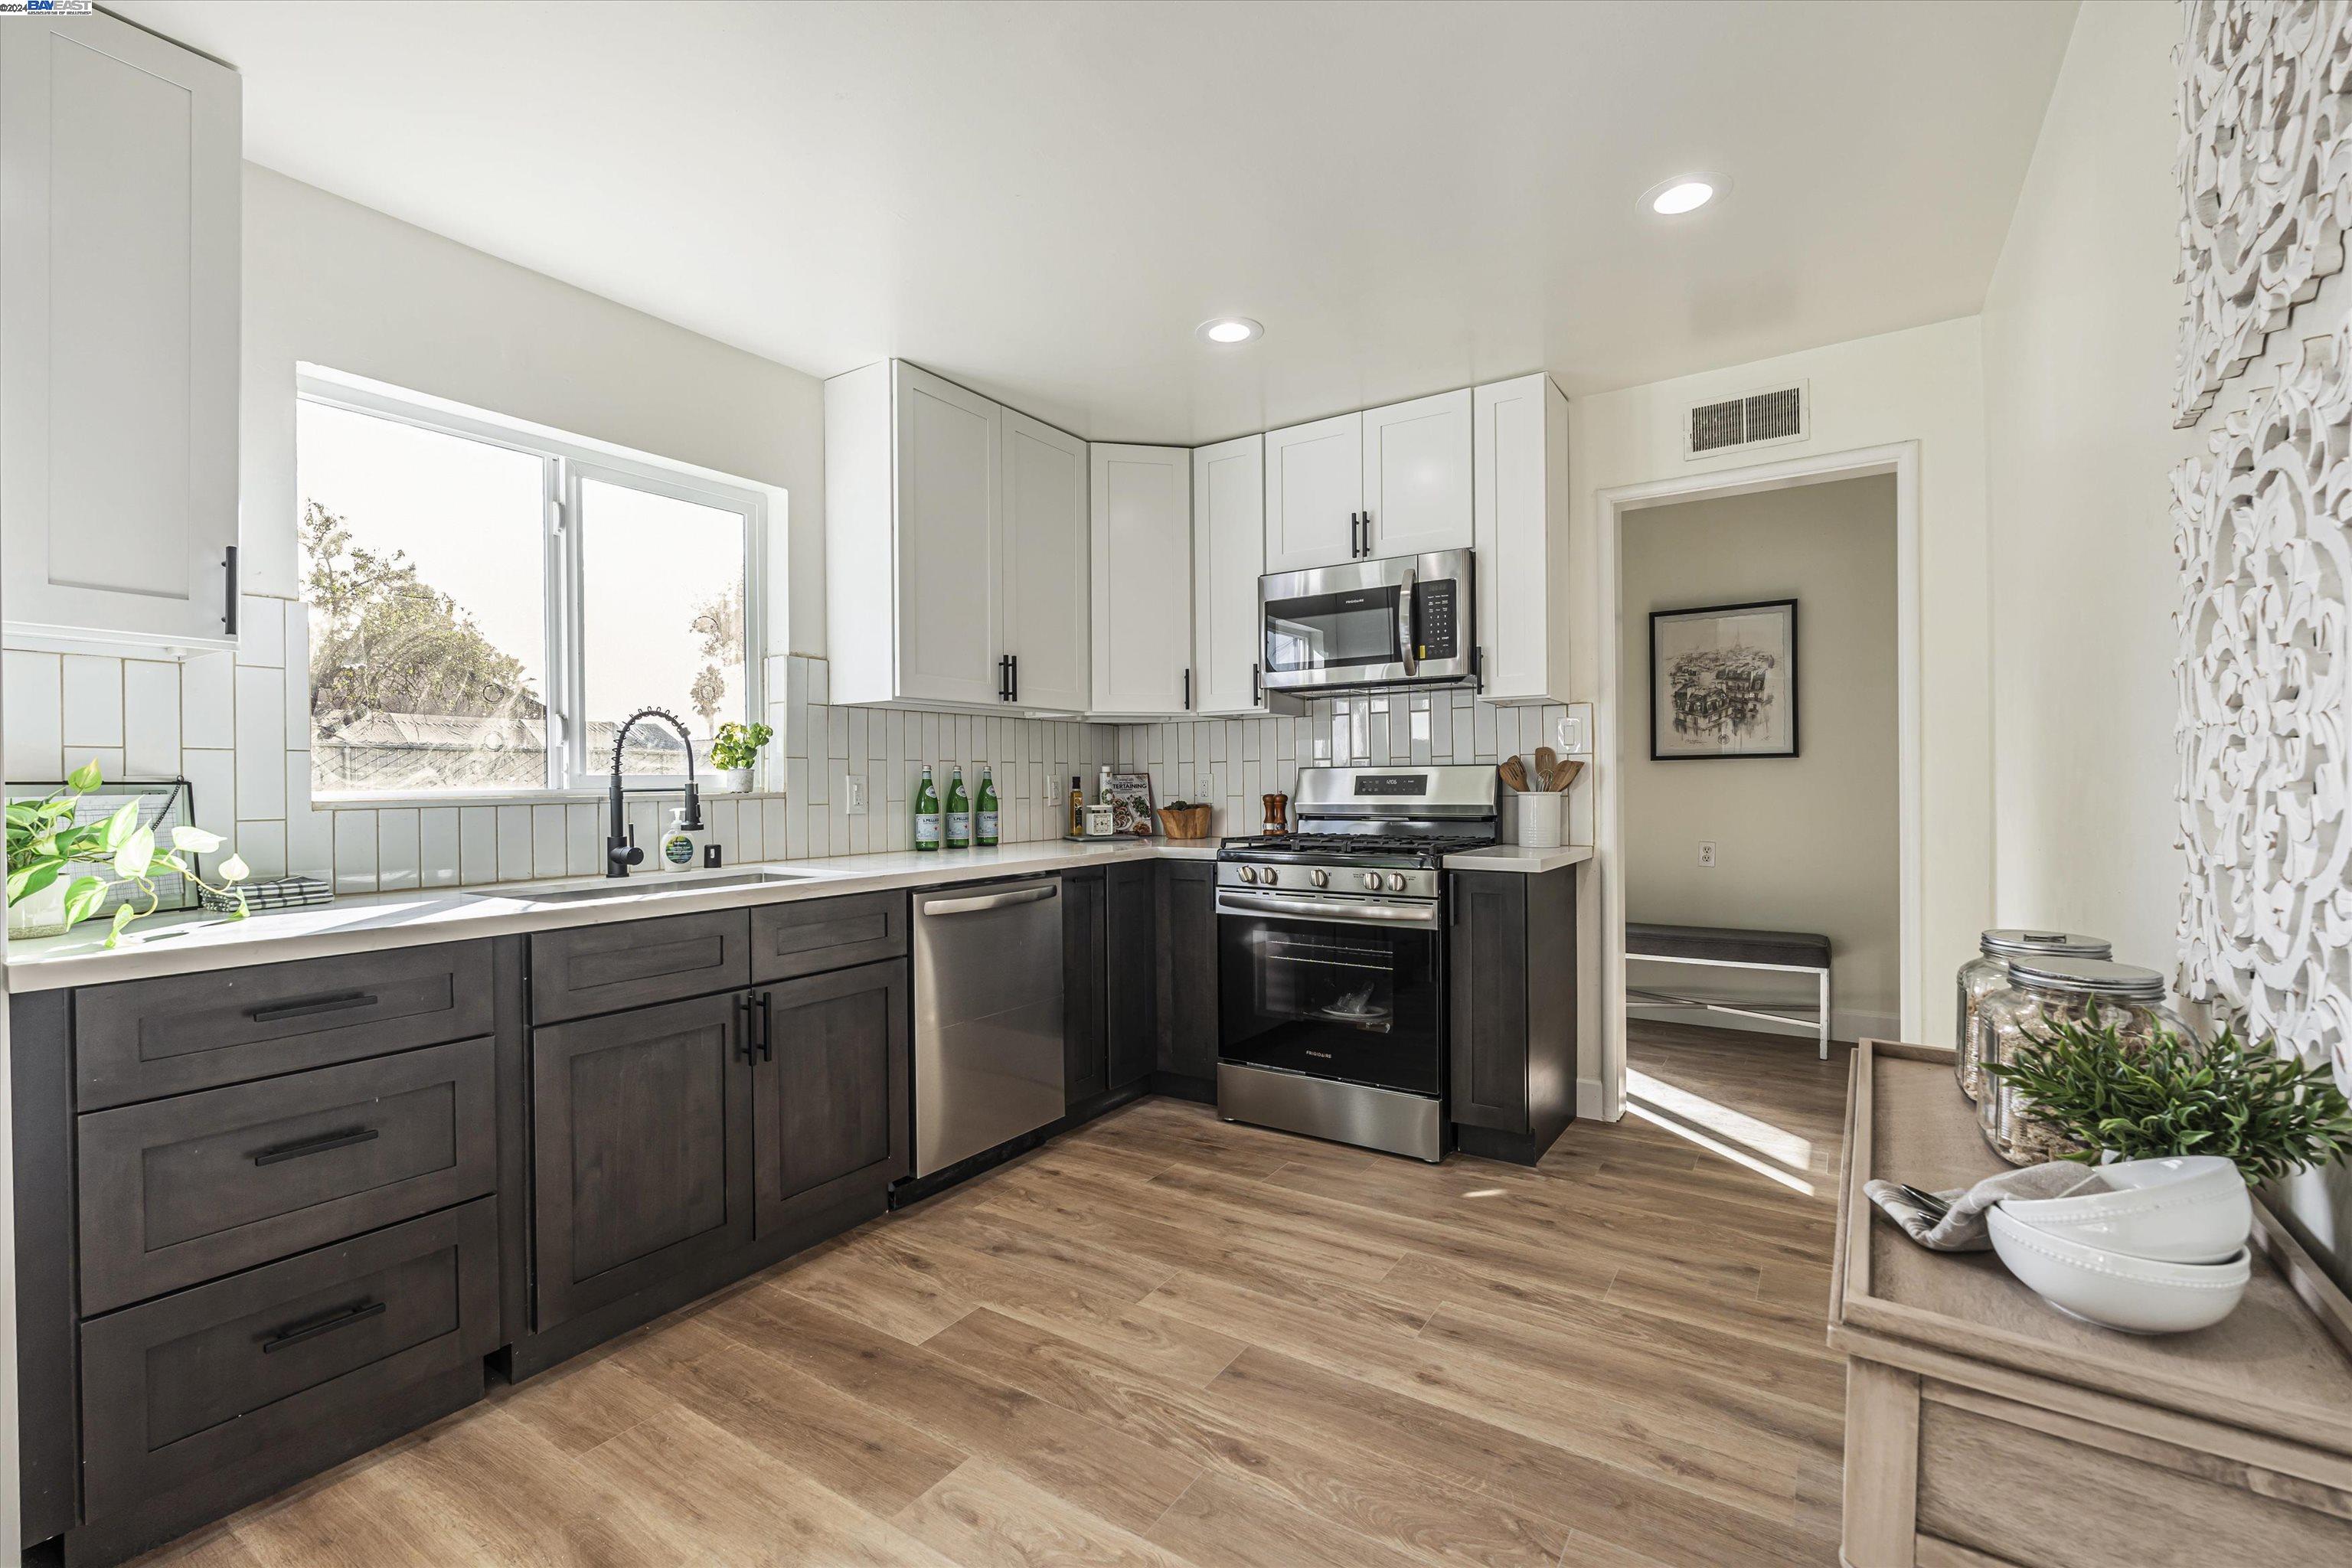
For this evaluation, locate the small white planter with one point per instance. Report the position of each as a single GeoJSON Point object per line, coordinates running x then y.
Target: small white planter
{"type": "Point", "coordinates": [735, 781]}
{"type": "Point", "coordinates": [40, 914]}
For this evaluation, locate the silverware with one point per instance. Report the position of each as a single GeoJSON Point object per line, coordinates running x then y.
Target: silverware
{"type": "Point", "coordinates": [1933, 1206]}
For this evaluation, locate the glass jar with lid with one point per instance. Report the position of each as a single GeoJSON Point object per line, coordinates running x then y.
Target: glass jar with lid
{"type": "Point", "coordinates": [1989, 971]}
{"type": "Point", "coordinates": [2042, 994]}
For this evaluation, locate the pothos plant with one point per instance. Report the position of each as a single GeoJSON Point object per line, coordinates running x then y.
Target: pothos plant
{"type": "Point", "coordinates": [738, 745]}
{"type": "Point", "coordinates": [2147, 1097]}
{"type": "Point", "coordinates": [47, 845]}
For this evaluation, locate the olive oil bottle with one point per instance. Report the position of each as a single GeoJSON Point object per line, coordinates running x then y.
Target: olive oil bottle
{"type": "Point", "coordinates": [927, 813]}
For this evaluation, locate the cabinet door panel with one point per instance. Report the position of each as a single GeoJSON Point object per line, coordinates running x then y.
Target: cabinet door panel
{"type": "Point", "coordinates": [1417, 475]}
{"type": "Point", "coordinates": [1131, 947]}
{"type": "Point", "coordinates": [1188, 994]}
{"type": "Point", "coordinates": [1314, 487]}
{"type": "Point", "coordinates": [642, 1149]}
{"type": "Point", "coordinates": [119, 159]}
{"type": "Point", "coordinates": [1487, 961]}
{"type": "Point", "coordinates": [605, 969]}
{"type": "Point", "coordinates": [1520, 486]}
{"type": "Point", "coordinates": [946, 533]}
{"type": "Point", "coordinates": [830, 1091]}
{"type": "Point", "coordinates": [1142, 565]}
{"type": "Point", "coordinates": [1086, 1019]}
{"type": "Point", "coordinates": [1042, 612]}
{"type": "Point", "coordinates": [1228, 556]}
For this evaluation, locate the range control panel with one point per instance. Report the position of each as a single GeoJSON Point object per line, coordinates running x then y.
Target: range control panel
{"type": "Point", "coordinates": [1432, 619]}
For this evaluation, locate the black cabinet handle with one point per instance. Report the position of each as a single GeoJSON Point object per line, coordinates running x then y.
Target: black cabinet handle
{"type": "Point", "coordinates": [228, 608]}
{"type": "Point", "coordinates": [767, 1026]}
{"type": "Point", "coordinates": [316, 1006]}
{"type": "Point", "coordinates": [317, 1326]}
{"type": "Point", "coordinates": [319, 1145]}
{"type": "Point", "coordinates": [1257, 691]}
{"type": "Point", "coordinates": [747, 1045]}
{"type": "Point", "coordinates": [1015, 662]}
{"type": "Point", "coordinates": [1188, 690]}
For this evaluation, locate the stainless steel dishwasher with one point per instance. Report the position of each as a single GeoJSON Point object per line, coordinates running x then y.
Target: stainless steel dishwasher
{"type": "Point", "coordinates": [988, 1017]}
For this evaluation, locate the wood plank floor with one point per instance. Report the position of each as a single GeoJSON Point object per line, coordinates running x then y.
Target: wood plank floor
{"type": "Point", "coordinates": [1168, 1342]}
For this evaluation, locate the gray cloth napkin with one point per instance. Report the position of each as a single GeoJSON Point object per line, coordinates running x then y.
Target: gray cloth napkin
{"type": "Point", "coordinates": [1963, 1228]}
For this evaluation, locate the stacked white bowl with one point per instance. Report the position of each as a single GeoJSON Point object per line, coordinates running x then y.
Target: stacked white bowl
{"type": "Point", "coordinates": [2162, 1251]}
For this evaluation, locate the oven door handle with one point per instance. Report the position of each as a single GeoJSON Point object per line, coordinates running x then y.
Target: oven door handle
{"type": "Point", "coordinates": [1406, 648]}
{"type": "Point", "coordinates": [1233, 903]}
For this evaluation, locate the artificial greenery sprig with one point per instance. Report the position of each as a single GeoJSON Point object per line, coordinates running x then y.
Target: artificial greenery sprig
{"type": "Point", "coordinates": [2146, 1098]}
{"type": "Point", "coordinates": [738, 745]}
{"type": "Point", "coordinates": [45, 843]}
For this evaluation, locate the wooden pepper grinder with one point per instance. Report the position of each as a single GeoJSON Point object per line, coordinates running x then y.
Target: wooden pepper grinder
{"type": "Point", "coordinates": [1278, 814]}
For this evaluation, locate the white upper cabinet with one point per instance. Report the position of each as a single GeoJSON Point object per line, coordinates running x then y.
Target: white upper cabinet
{"type": "Point", "coordinates": [1143, 561]}
{"type": "Point", "coordinates": [1416, 490]}
{"type": "Point", "coordinates": [1314, 493]}
{"type": "Point", "coordinates": [1043, 583]}
{"type": "Point", "coordinates": [1520, 467]}
{"type": "Point", "coordinates": [119, 354]}
{"type": "Point", "coordinates": [1228, 555]}
{"type": "Point", "coordinates": [912, 538]}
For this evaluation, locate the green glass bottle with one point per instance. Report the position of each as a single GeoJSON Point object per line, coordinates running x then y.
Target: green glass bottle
{"type": "Point", "coordinates": [959, 812]}
{"type": "Point", "coordinates": [984, 811]}
{"type": "Point", "coordinates": [927, 813]}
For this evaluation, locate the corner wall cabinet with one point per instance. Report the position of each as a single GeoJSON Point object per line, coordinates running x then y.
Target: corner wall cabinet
{"type": "Point", "coordinates": [1142, 579]}
{"type": "Point", "coordinates": [955, 547]}
{"type": "Point", "coordinates": [1228, 558]}
{"type": "Point", "coordinates": [120, 291]}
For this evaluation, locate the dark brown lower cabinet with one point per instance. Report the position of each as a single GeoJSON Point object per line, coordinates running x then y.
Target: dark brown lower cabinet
{"type": "Point", "coordinates": [1131, 961]}
{"type": "Point", "coordinates": [1188, 974]}
{"type": "Point", "coordinates": [1086, 999]}
{"type": "Point", "coordinates": [1511, 980]}
{"type": "Point", "coordinates": [830, 1095]}
{"type": "Point", "coordinates": [642, 1150]}
{"type": "Point", "coordinates": [199, 1402]}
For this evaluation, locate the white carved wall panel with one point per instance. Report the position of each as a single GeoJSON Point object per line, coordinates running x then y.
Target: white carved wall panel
{"type": "Point", "coordinates": [2263, 526]}
{"type": "Point", "coordinates": [2266, 173]}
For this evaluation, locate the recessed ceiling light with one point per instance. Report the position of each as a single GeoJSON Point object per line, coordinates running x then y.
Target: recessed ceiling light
{"type": "Point", "coordinates": [1229, 330]}
{"type": "Point", "coordinates": [1684, 193]}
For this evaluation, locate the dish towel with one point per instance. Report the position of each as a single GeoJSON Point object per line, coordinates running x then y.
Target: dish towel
{"type": "Point", "coordinates": [1963, 1227]}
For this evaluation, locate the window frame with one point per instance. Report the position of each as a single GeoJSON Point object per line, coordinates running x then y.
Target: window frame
{"type": "Point", "coordinates": [564, 462]}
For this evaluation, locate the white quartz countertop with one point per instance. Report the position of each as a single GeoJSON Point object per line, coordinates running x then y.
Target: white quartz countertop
{"type": "Point", "coordinates": [194, 942]}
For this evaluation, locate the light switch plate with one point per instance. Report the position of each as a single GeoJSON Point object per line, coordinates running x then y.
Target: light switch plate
{"type": "Point", "coordinates": [1575, 737]}
{"type": "Point", "coordinates": [855, 804]}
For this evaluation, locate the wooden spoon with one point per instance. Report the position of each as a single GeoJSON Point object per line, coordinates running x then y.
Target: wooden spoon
{"type": "Point", "coordinates": [1515, 773]}
{"type": "Point", "coordinates": [1563, 773]}
{"type": "Point", "coordinates": [1545, 758]}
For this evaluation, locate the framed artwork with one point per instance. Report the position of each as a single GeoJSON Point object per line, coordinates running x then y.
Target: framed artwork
{"type": "Point", "coordinates": [1723, 681]}
{"type": "Point", "coordinates": [1129, 800]}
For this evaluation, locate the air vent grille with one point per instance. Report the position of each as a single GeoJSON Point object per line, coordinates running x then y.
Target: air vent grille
{"type": "Point", "coordinates": [1775, 415]}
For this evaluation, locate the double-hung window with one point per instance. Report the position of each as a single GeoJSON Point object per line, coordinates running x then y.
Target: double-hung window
{"type": "Point", "coordinates": [487, 602]}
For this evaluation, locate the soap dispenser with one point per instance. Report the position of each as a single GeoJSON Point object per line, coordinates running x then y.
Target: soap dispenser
{"type": "Point", "coordinates": [681, 845]}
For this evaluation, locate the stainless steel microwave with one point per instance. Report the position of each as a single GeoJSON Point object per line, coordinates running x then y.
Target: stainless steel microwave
{"type": "Point", "coordinates": [1403, 621]}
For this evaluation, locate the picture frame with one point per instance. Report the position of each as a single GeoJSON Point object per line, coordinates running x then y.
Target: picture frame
{"type": "Point", "coordinates": [1723, 681]}
{"type": "Point", "coordinates": [1133, 811]}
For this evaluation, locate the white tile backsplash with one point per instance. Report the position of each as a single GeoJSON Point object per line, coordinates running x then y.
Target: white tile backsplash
{"type": "Point", "coordinates": [91, 689]}
{"type": "Point", "coordinates": [34, 744]}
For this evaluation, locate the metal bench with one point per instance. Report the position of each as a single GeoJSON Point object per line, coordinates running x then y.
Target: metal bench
{"type": "Point", "coordinates": [1722, 947]}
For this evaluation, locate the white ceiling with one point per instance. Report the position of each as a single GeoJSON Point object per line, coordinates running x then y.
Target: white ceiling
{"type": "Point", "coordinates": [1042, 201]}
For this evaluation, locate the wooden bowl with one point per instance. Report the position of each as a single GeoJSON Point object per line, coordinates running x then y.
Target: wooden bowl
{"type": "Point", "coordinates": [1191, 822]}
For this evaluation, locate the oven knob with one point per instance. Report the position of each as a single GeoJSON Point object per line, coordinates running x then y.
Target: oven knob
{"type": "Point", "coordinates": [1373, 880]}
{"type": "Point", "coordinates": [1249, 873]}
{"type": "Point", "coordinates": [1268, 877]}
{"type": "Point", "coordinates": [1396, 882]}
{"type": "Point", "coordinates": [1320, 877]}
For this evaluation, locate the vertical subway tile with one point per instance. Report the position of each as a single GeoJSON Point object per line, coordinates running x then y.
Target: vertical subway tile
{"type": "Point", "coordinates": [820, 680]}
{"type": "Point", "coordinates": [583, 840]}
{"type": "Point", "coordinates": [440, 852]}
{"type": "Point", "coordinates": [297, 673]}
{"type": "Point", "coordinates": [260, 631]}
{"type": "Point", "coordinates": [208, 701]}
{"type": "Point", "coordinates": [398, 860]}
{"type": "Point", "coordinates": [212, 776]}
{"type": "Point", "coordinates": [750, 844]}
{"type": "Point", "coordinates": [91, 699]}
{"type": "Point", "coordinates": [514, 843]}
{"type": "Point", "coordinates": [477, 844]}
{"type": "Point", "coordinates": [355, 851]}
{"type": "Point", "coordinates": [150, 718]}
{"type": "Point", "coordinates": [836, 731]}
{"type": "Point", "coordinates": [1482, 733]}
{"type": "Point", "coordinates": [31, 687]}
{"type": "Point", "coordinates": [262, 846]}
{"type": "Point", "coordinates": [260, 731]}
{"type": "Point", "coordinates": [547, 858]}
{"type": "Point", "coordinates": [796, 806]}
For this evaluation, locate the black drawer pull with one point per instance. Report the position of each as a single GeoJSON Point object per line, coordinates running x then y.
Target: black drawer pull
{"type": "Point", "coordinates": [317, 1145]}
{"type": "Point", "coordinates": [342, 1003]}
{"type": "Point", "coordinates": [317, 1326]}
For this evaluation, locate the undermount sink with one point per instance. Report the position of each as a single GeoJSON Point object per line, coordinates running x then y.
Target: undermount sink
{"type": "Point", "coordinates": [656, 885]}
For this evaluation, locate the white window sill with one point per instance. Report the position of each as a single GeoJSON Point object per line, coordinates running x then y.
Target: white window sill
{"type": "Point", "coordinates": [413, 798]}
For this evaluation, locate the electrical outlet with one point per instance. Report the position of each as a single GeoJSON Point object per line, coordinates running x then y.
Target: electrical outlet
{"type": "Point", "coordinates": [1706, 853]}
{"type": "Point", "coordinates": [855, 804]}
{"type": "Point", "coordinates": [1208, 786]}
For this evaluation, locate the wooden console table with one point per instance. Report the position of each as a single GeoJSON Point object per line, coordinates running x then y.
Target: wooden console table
{"type": "Point", "coordinates": [1984, 1427]}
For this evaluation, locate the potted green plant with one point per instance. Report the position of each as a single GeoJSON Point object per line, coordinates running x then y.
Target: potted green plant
{"type": "Point", "coordinates": [735, 752]}
{"type": "Point", "coordinates": [49, 891]}
{"type": "Point", "coordinates": [2142, 1099]}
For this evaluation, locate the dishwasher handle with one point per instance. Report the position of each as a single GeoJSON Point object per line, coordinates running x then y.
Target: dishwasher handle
{"type": "Point", "coordinates": [1037, 893]}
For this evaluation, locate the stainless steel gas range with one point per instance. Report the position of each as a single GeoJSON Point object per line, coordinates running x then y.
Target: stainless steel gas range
{"type": "Point", "coordinates": [1331, 956]}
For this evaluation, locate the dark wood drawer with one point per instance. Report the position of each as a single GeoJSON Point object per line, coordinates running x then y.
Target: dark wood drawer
{"type": "Point", "coordinates": [810, 936]}
{"type": "Point", "coordinates": [603, 969]}
{"type": "Point", "coordinates": [228, 1374]}
{"type": "Point", "coordinates": [182, 1190]}
{"type": "Point", "coordinates": [146, 1038]}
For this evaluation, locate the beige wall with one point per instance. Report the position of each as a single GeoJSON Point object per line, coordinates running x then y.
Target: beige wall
{"type": "Point", "coordinates": [1805, 843]}
{"type": "Point", "coordinates": [2079, 335]}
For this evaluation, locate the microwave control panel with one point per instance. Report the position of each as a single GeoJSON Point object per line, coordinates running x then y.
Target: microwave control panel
{"type": "Point", "coordinates": [1432, 619]}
